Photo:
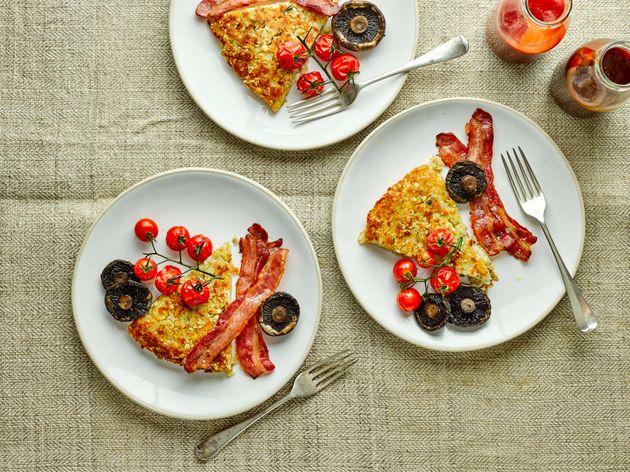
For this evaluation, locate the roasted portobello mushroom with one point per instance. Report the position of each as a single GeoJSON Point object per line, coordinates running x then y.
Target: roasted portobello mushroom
{"type": "Point", "coordinates": [279, 314]}
{"type": "Point", "coordinates": [470, 306]}
{"type": "Point", "coordinates": [128, 300]}
{"type": "Point", "coordinates": [117, 272]}
{"type": "Point", "coordinates": [433, 313]}
{"type": "Point", "coordinates": [465, 181]}
{"type": "Point", "coordinates": [359, 25]}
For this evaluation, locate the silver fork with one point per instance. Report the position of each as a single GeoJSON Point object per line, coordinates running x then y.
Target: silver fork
{"type": "Point", "coordinates": [331, 101]}
{"type": "Point", "coordinates": [309, 382]}
{"type": "Point", "coordinates": [532, 200]}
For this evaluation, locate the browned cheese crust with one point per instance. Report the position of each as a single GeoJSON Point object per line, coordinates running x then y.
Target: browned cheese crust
{"type": "Point", "coordinates": [250, 38]}
{"type": "Point", "coordinates": [171, 329]}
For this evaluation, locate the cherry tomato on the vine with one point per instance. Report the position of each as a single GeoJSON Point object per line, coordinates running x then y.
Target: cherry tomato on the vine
{"type": "Point", "coordinates": [409, 299]}
{"type": "Point", "coordinates": [445, 280]}
{"type": "Point", "coordinates": [146, 229]}
{"type": "Point", "coordinates": [425, 259]}
{"type": "Point", "coordinates": [145, 268]}
{"type": "Point", "coordinates": [404, 270]}
{"type": "Point", "coordinates": [326, 47]}
{"type": "Point", "coordinates": [177, 238]}
{"type": "Point", "coordinates": [310, 84]}
{"type": "Point", "coordinates": [440, 241]}
{"type": "Point", "coordinates": [167, 280]}
{"type": "Point", "coordinates": [344, 65]}
{"type": "Point", "coordinates": [199, 247]}
{"type": "Point", "coordinates": [291, 55]}
{"type": "Point", "coordinates": [194, 292]}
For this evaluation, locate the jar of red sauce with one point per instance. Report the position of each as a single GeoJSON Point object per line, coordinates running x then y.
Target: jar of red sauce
{"type": "Point", "coordinates": [596, 78]}
{"type": "Point", "coordinates": [521, 30]}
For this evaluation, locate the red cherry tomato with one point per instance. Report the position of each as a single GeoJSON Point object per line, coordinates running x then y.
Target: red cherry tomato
{"type": "Point", "coordinates": [194, 292]}
{"type": "Point", "coordinates": [439, 241]}
{"type": "Point", "coordinates": [167, 280]}
{"type": "Point", "coordinates": [145, 269]}
{"type": "Point", "coordinates": [291, 55]}
{"type": "Point", "coordinates": [409, 299]}
{"type": "Point", "coordinates": [146, 229]}
{"type": "Point", "coordinates": [177, 237]}
{"type": "Point", "coordinates": [326, 47]}
{"type": "Point", "coordinates": [425, 259]}
{"type": "Point", "coordinates": [311, 84]}
{"type": "Point", "coordinates": [404, 270]}
{"type": "Point", "coordinates": [199, 247]}
{"type": "Point", "coordinates": [445, 281]}
{"type": "Point", "coordinates": [342, 66]}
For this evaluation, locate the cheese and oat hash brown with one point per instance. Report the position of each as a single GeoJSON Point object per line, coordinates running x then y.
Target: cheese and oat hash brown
{"type": "Point", "coordinates": [250, 38]}
{"type": "Point", "coordinates": [171, 328]}
{"type": "Point", "coordinates": [401, 220]}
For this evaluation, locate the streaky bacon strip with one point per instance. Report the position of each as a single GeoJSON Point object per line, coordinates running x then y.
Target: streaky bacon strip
{"type": "Point", "coordinates": [253, 355]}
{"type": "Point", "coordinates": [325, 7]}
{"type": "Point", "coordinates": [450, 149]}
{"type": "Point", "coordinates": [213, 8]}
{"type": "Point", "coordinates": [238, 313]}
{"type": "Point", "coordinates": [494, 229]}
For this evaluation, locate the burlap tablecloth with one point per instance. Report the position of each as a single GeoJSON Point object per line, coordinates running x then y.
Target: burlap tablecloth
{"type": "Point", "coordinates": [91, 102]}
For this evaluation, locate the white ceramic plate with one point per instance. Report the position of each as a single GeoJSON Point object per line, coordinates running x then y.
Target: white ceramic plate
{"type": "Point", "coordinates": [221, 205]}
{"type": "Point", "coordinates": [220, 94]}
{"type": "Point", "coordinates": [525, 293]}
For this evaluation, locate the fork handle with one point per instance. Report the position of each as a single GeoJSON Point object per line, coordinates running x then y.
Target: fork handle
{"type": "Point", "coordinates": [451, 49]}
{"type": "Point", "coordinates": [209, 447]}
{"type": "Point", "coordinates": [582, 312]}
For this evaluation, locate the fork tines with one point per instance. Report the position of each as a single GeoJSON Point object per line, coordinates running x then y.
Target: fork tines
{"type": "Point", "coordinates": [328, 103]}
{"type": "Point", "coordinates": [524, 182]}
{"type": "Point", "coordinates": [330, 369]}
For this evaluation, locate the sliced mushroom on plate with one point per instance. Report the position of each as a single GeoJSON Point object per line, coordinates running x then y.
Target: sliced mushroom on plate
{"type": "Point", "coordinates": [279, 314]}
{"type": "Point", "coordinates": [465, 181]}
{"type": "Point", "coordinates": [433, 312]}
{"type": "Point", "coordinates": [359, 25]}
{"type": "Point", "coordinates": [128, 301]}
{"type": "Point", "coordinates": [470, 306]}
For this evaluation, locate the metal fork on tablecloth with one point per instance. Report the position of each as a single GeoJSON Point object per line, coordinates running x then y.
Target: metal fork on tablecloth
{"type": "Point", "coordinates": [312, 380]}
{"type": "Point", "coordinates": [532, 200]}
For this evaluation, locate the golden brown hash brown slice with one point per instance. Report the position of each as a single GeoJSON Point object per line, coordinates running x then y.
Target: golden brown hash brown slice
{"type": "Point", "coordinates": [171, 329]}
{"type": "Point", "coordinates": [250, 37]}
{"type": "Point", "coordinates": [419, 203]}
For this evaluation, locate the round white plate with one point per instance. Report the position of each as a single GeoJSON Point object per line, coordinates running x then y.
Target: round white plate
{"type": "Point", "coordinates": [220, 94]}
{"type": "Point", "coordinates": [221, 205]}
{"type": "Point", "coordinates": [525, 293]}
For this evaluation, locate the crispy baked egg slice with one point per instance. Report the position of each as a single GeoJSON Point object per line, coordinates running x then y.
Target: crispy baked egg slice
{"type": "Point", "coordinates": [250, 37]}
{"type": "Point", "coordinates": [414, 206]}
{"type": "Point", "coordinates": [170, 329]}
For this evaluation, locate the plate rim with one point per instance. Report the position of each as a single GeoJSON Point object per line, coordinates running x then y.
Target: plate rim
{"type": "Point", "coordinates": [390, 121]}
{"type": "Point", "coordinates": [290, 213]}
{"type": "Point", "coordinates": [278, 145]}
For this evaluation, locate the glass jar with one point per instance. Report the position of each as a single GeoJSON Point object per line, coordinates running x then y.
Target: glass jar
{"type": "Point", "coordinates": [596, 78]}
{"type": "Point", "coordinates": [521, 30]}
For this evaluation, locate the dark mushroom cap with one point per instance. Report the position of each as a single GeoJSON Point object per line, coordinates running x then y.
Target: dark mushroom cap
{"type": "Point", "coordinates": [279, 314]}
{"type": "Point", "coordinates": [470, 306]}
{"type": "Point", "coordinates": [465, 181]}
{"type": "Point", "coordinates": [117, 272]}
{"type": "Point", "coordinates": [358, 25]}
{"type": "Point", "coordinates": [433, 312]}
{"type": "Point", "coordinates": [128, 301]}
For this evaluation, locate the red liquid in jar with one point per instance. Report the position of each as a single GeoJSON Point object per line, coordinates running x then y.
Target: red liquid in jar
{"type": "Point", "coordinates": [515, 34]}
{"type": "Point", "coordinates": [546, 10]}
{"type": "Point", "coordinates": [616, 66]}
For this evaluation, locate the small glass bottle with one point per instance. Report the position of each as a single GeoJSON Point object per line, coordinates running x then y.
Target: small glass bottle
{"type": "Point", "coordinates": [596, 78]}
{"type": "Point", "coordinates": [521, 30]}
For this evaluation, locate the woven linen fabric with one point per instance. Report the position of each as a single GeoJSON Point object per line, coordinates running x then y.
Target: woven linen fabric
{"type": "Point", "coordinates": [91, 103]}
